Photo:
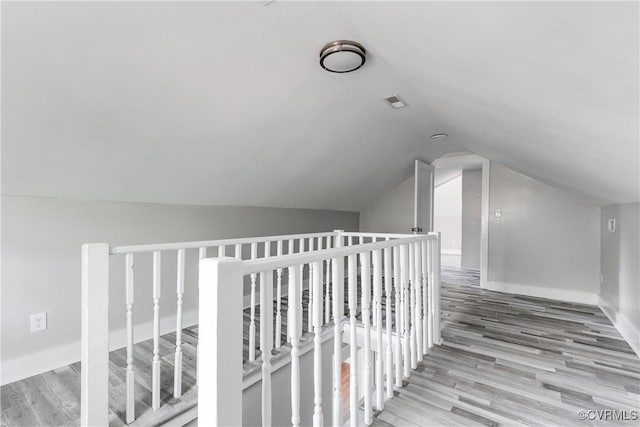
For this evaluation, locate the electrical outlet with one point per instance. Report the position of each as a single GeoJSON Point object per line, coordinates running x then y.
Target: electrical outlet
{"type": "Point", "coordinates": [38, 322]}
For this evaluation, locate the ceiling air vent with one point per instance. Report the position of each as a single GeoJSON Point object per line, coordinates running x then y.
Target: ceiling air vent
{"type": "Point", "coordinates": [395, 101]}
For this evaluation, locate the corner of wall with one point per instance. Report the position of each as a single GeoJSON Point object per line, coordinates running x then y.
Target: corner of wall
{"type": "Point", "coordinates": [628, 330]}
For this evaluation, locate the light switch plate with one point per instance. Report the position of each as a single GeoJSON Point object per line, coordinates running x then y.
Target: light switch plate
{"type": "Point", "coordinates": [498, 213]}
{"type": "Point", "coordinates": [611, 225]}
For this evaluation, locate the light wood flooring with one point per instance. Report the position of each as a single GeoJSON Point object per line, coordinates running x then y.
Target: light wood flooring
{"type": "Point", "coordinates": [505, 360]}
{"type": "Point", "coordinates": [53, 398]}
{"type": "Point", "coordinates": [515, 360]}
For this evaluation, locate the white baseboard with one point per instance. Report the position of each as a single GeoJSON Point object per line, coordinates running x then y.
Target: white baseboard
{"type": "Point", "coordinates": [52, 358]}
{"type": "Point", "coordinates": [627, 329]}
{"type": "Point", "coordinates": [66, 354]}
{"type": "Point", "coordinates": [451, 251]}
{"type": "Point", "coordinates": [39, 362]}
{"type": "Point", "coordinates": [567, 295]}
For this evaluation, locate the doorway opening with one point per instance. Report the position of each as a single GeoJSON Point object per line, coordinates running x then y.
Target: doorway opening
{"type": "Point", "coordinates": [458, 215]}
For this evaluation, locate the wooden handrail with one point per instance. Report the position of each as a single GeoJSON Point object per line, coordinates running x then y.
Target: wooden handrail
{"type": "Point", "coordinates": [266, 264]}
{"type": "Point", "coordinates": [211, 243]}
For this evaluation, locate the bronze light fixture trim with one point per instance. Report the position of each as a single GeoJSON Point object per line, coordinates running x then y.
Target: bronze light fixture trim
{"type": "Point", "coordinates": [342, 56]}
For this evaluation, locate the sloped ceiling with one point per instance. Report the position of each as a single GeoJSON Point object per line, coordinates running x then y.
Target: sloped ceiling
{"type": "Point", "coordinates": [225, 104]}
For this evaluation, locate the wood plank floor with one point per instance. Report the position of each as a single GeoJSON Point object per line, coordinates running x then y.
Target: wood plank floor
{"type": "Point", "coordinates": [505, 360]}
{"type": "Point", "coordinates": [514, 360]}
{"type": "Point", "coordinates": [53, 398]}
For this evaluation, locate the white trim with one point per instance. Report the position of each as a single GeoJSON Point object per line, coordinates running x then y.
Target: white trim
{"type": "Point", "coordinates": [567, 295]}
{"type": "Point", "coordinates": [39, 362]}
{"type": "Point", "coordinates": [484, 223]}
{"type": "Point", "coordinates": [468, 160]}
{"type": "Point", "coordinates": [627, 329]}
{"type": "Point", "coordinates": [418, 193]}
{"type": "Point", "coordinates": [66, 354]}
{"type": "Point", "coordinates": [453, 161]}
{"type": "Point", "coordinates": [451, 252]}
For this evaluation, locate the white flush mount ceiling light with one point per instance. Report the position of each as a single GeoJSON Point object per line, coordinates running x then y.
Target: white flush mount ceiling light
{"type": "Point", "coordinates": [342, 56]}
{"type": "Point", "coordinates": [439, 136]}
{"type": "Point", "coordinates": [395, 101]}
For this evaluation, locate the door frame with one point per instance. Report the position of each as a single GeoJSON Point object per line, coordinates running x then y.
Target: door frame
{"type": "Point", "coordinates": [472, 160]}
{"type": "Point", "coordinates": [418, 193]}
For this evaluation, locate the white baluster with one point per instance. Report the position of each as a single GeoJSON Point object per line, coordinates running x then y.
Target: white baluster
{"type": "Point", "coordinates": [425, 297]}
{"type": "Point", "coordinates": [337, 269]}
{"type": "Point", "coordinates": [365, 277]}
{"type": "Point", "coordinates": [377, 305]}
{"type": "Point", "coordinates": [202, 254]}
{"type": "Point", "coordinates": [312, 242]}
{"type": "Point", "coordinates": [317, 344]}
{"type": "Point", "coordinates": [436, 291]}
{"type": "Point", "coordinates": [155, 390]}
{"type": "Point", "coordinates": [418, 291]}
{"type": "Point", "coordinates": [301, 268]}
{"type": "Point", "coordinates": [412, 308]}
{"type": "Point", "coordinates": [177, 370]}
{"type": "Point", "coordinates": [300, 245]}
{"type": "Point", "coordinates": [294, 326]}
{"type": "Point", "coordinates": [430, 294]}
{"type": "Point", "coordinates": [327, 299]}
{"type": "Point", "coordinates": [397, 286]}
{"type": "Point", "coordinates": [252, 321]}
{"type": "Point", "coordinates": [353, 339]}
{"type": "Point", "coordinates": [404, 279]}
{"type": "Point", "coordinates": [267, 254]}
{"type": "Point", "coordinates": [131, 408]}
{"type": "Point", "coordinates": [266, 340]}
{"type": "Point", "coordinates": [279, 298]}
{"type": "Point", "coordinates": [388, 316]}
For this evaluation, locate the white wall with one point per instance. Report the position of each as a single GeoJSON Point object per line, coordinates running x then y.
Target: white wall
{"type": "Point", "coordinates": [471, 218]}
{"type": "Point", "coordinates": [392, 212]}
{"type": "Point", "coordinates": [447, 214]}
{"type": "Point", "coordinates": [41, 240]}
{"type": "Point", "coordinates": [547, 242]}
{"type": "Point", "coordinates": [620, 260]}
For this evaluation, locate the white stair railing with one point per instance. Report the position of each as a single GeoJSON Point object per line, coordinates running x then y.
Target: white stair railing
{"type": "Point", "coordinates": [401, 270]}
{"type": "Point", "coordinates": [373, 339]}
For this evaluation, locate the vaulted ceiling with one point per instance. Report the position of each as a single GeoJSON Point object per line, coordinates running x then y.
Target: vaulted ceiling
{"type": "Point", "coordinates": [225, 104]}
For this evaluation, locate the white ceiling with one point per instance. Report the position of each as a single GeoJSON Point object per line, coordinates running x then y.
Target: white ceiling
{"type": "Point", "coordinates": [225, 103]}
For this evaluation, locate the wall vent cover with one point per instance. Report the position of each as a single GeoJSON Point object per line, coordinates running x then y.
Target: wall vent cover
{"type": "Point", "coordinates": [395, 101]}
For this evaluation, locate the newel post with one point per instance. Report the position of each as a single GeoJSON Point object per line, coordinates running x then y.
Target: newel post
{"type": "Point", "coordinates": [220, 342]}
{"type": "Point", "coordinates": [339, 238]}
{"type": "Point", "coordinates": [94, 376]}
